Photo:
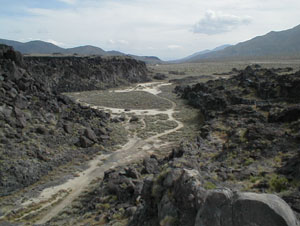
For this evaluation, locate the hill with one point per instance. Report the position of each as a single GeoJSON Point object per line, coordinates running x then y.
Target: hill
{"type": "Point", "coordinates": [197, 54]}
{"type": "Point", "coordinates": [33, 83]}
{"type": "Point", "coordinates": [281, 44]}
{"type": "Point", "coordinates": [148, 59]}
{"type": "Point", "coordinates": [85, 50]}
{"type": "Point", "coordinates": [31, 47]}
{"type": "Point", "coordinates": [41, 47]}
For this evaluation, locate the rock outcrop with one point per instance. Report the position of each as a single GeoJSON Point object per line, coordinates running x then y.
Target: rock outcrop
{"type": "Point", "coordinates": [72, 74]}
{"type": "Point", "coordinates": [178, 198]}
{"type": "Point", "coordinates": [223, 207]}
{"type": "Point", "coordinates": [246, 142]}
{"type": "Point", "coordinates": [41, 129]}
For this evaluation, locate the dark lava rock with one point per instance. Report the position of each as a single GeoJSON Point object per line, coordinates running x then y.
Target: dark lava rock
{"type": "Point", "coordinates": [150, 166]}
{"type": "Point", "coordinates": [116, 120]}
{"type": "Point", "coordinates": [72, 74]}
{"type": "Point", "coordinates": [132, 173]}
{"type": "Point", "coordinates": [67, 128]}
{"type": "Point", "coordinates": [248, 122]}
{"type": "Point", "coordinates": [38, 125]}
{"type": "Point", "coordinates": [160, 76]}
{"type": "Point", "coordinates": [235, 209]}
{"type": "Point", "coordinates": [187, 203]}
{"type": "Point", "coordinates": [90, 134]}
{"type": "Point", "coordinates": [134, 119]}
{"type": "Point", "coordinates": [84, 142]}
{"type": "Point", "coordinates": [130, 211]}
{"type": "Point", "coordinates": [288, 114]}
{"type": "Point", "coordinates": [41, 130]}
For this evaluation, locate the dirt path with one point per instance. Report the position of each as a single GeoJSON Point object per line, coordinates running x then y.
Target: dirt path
{"type": "Point", "coordinates": [52, 201]}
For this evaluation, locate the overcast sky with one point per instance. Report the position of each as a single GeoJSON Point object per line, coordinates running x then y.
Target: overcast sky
{"type": "Point", "coordinates": [169, 29]}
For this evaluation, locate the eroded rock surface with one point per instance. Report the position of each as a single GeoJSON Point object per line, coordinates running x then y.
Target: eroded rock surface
{"type": "Point", "coordinates": [223, 207]}
{"type": "Point", "coordinates": [245, 143]}
{"type": "Point", "coordinates": [40, 129]}
{"type": "Point", "coordinates": [73, 74]}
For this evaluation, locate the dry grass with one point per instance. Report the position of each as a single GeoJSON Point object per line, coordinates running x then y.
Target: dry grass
{"type": "Point", "coordinates": [210, 68]}
{"type": "Point", "coordinates": [133, 100]}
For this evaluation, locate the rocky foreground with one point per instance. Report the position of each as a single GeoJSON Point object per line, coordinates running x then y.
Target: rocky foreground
{"type": "Point", "coordinates": [238, 172]}
{"type": "Point", "coordinates": [245, 158]}
{"type": "Point", "coordinates": [40, 129]}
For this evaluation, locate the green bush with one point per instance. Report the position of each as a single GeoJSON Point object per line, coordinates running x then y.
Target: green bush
{"type": "Point", "coordinates": [278, 183]}
{"type": "Point", "coordinates": [209, 185]}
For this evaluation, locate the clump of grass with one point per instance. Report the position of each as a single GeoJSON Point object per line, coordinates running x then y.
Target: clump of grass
{"type": "Point", "coordinates": [249, 161]}
{"type": "Point", "coordinates": [168, 220]}
{"type": "Point", "coordinates": [126, 100]}
{"type": "Point", "coordinates": [278, 183]}
{"type": "Point", "coordinates": [209, 185]}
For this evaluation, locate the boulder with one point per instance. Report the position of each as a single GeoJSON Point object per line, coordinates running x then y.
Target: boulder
{"type": "Point", "coordinates": [216, 209]}
{"type": "Point", "coordinates": [289, 114]}
{"type": "Point", "coordinates": [134, 119]}
{"type": "Point", "coordinates": [160, 76]}
{"type": "Point", "coordinates": [150, 166]}
{"type": "Point", "coordinates": [84, 142]}
{"type": "Point", "coordinates": [132, 173]}
{"type": "Point", "coordinates": [67, 128]}
{"type": "Point", "coordinates": [223, 207]}
{"type": "Point", "coordinates": [41, 130]}
{"type": "Point", "coordinates": [90, 134]}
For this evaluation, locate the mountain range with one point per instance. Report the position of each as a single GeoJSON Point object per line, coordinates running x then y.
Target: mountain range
{"type": "Point", "coordinates": [41, 47]}
{"type": "Point", "coordinates": [195, 55]}
{"type": "Point", "coordinates": [280, 44]}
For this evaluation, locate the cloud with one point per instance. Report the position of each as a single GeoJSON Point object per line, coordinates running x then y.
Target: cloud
{"type": "Point", "coordinates": [117, 42]}
{"type": "Point", "coordinates": [217, 22]}
{"type": "Point", "coordinates": [174, 47]}
{"type": "Point", "coordinates": [71, 2]}
{"type": "Point", "coordinates": [123, 42]}
{"type": "Point", "coordinates": [150, 27]}
{"type": "Point", "coordinates": [55, 42]}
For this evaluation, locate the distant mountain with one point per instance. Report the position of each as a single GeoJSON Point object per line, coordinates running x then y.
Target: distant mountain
{"type": "Point", "coordinates": [41, 47]}
{"type": "Point", "coordinates": [115, 53]}
{"type": "Point", "coordinates": [281, 44]}
{"type": "Point", "coordinates": [33, 47]}
{"type": "Point", "coordinates": [85, 50]}
{"type": "Point", "coordinates": [148, 59]}
{"type": "Point", "coordinates": [197, 54]}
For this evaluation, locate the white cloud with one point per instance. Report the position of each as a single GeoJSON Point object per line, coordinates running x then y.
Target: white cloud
{"type": "Point", "coordinates": [133, 26]}
{"type": "Point", "coordinates": [123, 42]}
{"type": "Point", "coordinates": [55, 42]}
{"type": "Point", "coordinates": [174, 47]}
{"type": "Point", "coordinates": [117, 42]}
{"type": "Point", "coordinates": [110, 41]}
{"type": "Point", "coordinates": [217, 22]}
{"type": "Point", "coordinates": [71, 2]}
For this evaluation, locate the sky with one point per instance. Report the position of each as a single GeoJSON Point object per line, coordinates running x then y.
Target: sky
{"type": "Point", "coordinates": [169, 29]}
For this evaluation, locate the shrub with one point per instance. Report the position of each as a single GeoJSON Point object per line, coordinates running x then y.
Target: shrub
{"type": "Point", "coordinates": [278, 183]}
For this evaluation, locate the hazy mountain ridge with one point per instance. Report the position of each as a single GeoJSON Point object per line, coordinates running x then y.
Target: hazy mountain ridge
{"type": "Point", "coordinates": [197, 54]}
{"type": "Point", "coordinates": [274, 45]}
{"type": "Point", "coordinates": [279, 44]}
{"type": "Point", "coordinates": [41, 47]}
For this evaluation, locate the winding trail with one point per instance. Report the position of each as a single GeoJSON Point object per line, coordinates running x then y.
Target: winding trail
{"type": "Point", "coordinates": [54, 199]}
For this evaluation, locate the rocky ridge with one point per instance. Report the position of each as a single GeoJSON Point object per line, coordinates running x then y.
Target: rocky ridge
{"type": "Point", "coordinates": [73, 74]}
{"type": "Point", "coordinates": [245, 157]}
{"type": "Point", "coordinates": [249, 141]}
{"type": "Point", "coordinates": [41, 129]}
